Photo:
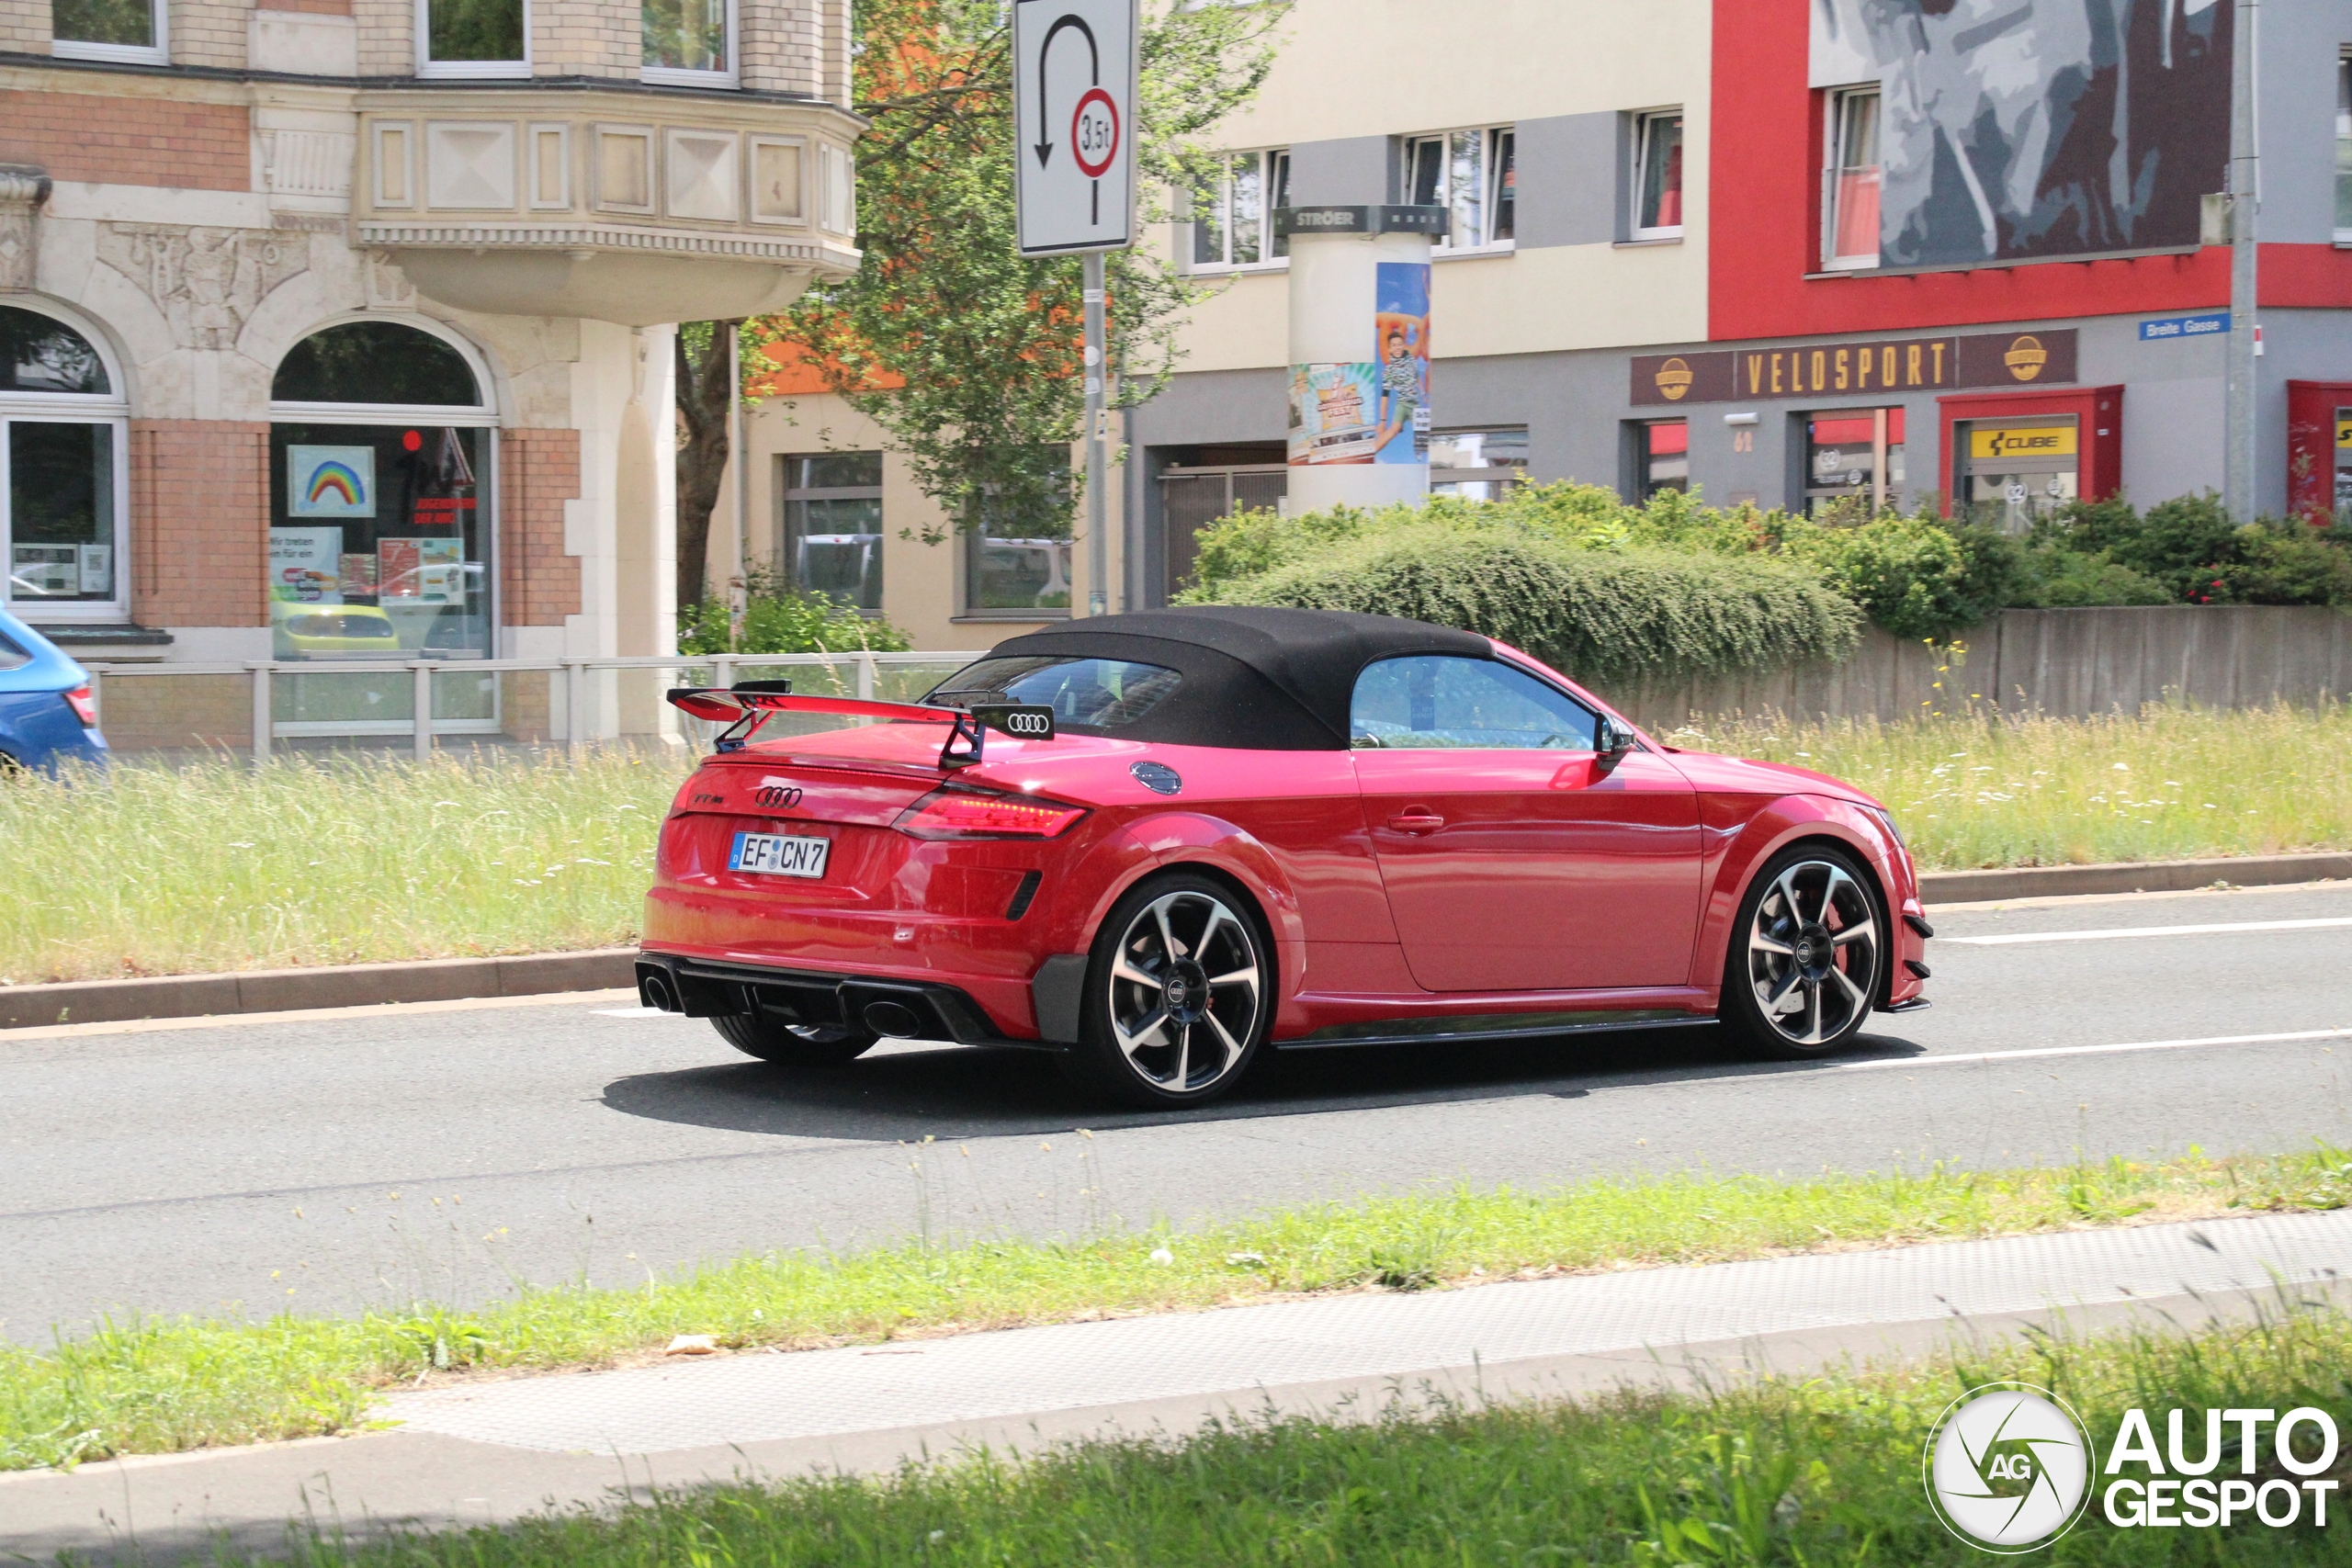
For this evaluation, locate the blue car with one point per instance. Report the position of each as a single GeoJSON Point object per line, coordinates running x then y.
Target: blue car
{"type": "Point", "coordinates": [46, 712]}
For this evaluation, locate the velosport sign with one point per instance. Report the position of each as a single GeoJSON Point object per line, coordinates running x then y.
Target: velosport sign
{"type": "Point", "coordinates": [1074, 110]}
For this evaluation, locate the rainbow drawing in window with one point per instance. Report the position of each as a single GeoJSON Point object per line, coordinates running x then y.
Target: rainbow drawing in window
{"type": "Point", "coordinates": [330, 481]}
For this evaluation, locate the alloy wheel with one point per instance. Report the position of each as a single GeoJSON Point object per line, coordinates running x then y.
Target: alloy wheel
{"type": "Point", "coordinates": [1184, 991]}
{"type": "Point", "coordinates": [1814, 953]}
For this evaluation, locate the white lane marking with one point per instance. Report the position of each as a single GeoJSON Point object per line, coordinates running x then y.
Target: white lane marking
{"type": "Point", "coordinates": [1983, 1057]}
{"type": "Point", "coordinates": [370, 1010]}
{"type": "Point", "coordinates": [2219, 927]}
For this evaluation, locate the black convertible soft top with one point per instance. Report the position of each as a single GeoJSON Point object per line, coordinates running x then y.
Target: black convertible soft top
{"type": "Point", "coordinates": [1257, 679]}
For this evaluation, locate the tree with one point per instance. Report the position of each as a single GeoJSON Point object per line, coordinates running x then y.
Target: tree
{"type": "Point", "coordinates": [965, 351]}
{"type": "Point", "coordinates": [703, 393]}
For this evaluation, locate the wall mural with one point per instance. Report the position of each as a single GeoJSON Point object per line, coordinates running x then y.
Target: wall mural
{"type": "Point", "coordinates": [2017, 129]}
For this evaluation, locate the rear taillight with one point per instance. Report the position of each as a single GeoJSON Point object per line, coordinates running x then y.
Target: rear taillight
{"type": "Point", "coordinates": [967, 813]}
{"type": "Point", "coordinates": [85, 706]}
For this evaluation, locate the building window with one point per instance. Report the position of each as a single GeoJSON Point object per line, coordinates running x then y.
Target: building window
{"type": "Point", "coordinates": [473, 37]}
{"type": "Point", "coordinates": [688, 42]}
{"type": "Point", "coordinates": [1017, 563]}
{"type": "Point", "coordinates": [2343, 150]}
{"type": "Point", "coordinates": [1233, 218]}
{"type": "Point", "coordinates": [2012, 473]}
{"type": "Point", "coordinates": [1476, 465]}
{"type": "Point", "coordinates": [1658, 177]}
{"type": "Point", "coordinates": [1473, 176]}
{"type": "Point", "coordinates": [1662, 456]}
{"type": "Point", "coordinates": [63, 470]}
{"type": "Point", "coordinates": [1854, 456]}
{"type": "Point", "coordinates": [134, 31]}
{"type": "Point", "coordinates": [832, 526]}
{"type": "Point", "coordinates": [379, 525]}
{"type": "Point", "coordinates": [1849, 204]}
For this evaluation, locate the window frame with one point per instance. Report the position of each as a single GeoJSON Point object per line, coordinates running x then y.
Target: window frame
{"type": "Point", "coordinates": [2343, 142]}
{"type": "Point", "coordinates": [1491, 185]}
{"type": "Point", "coordinates": [1834, 167]}
{"type": "Point", "coordinates": [1645, 122]}
{"type": "Point", "coordinates": [787, 493]}
{"type": "Point", "coordinates": [430, 69]}
{"type": "Point", "coordinates": [683, 77]}
{"type": "Point", "coordinates": [157, 52]}
{"type": "Point", "coordinates": [109, 408]}
{"type": "Point", "coordinates": [1269, 183]}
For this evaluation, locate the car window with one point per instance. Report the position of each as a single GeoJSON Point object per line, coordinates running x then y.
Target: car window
{"type": "Point", "coordinates": [11, 656]}
{"type": "Point", "coordinates": [1102, 693]}
{"type": "Point", "coordinates": [1434, 702]}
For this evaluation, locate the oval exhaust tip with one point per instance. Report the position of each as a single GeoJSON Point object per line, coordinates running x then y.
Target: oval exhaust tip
{"type": "Point", "coordinates": [653, 991]}
{"type": "Point", "coordinates": [893, 1018]}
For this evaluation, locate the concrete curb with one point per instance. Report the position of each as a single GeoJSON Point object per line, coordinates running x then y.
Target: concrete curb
{"type": "Point", "coordinates": [327, 986]}
{"type": "Point", "coordinates": [446, 979]}
{"type": "Point", "coordinates": [2128, 876]}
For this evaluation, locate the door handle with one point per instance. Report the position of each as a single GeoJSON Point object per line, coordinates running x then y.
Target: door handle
{"type": "Point", "coordinates": [1420, 820]}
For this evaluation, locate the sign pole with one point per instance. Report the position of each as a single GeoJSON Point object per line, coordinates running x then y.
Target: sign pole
{"type": "Point", "coordinates": [1098, 541]}
{"type": "Point", "coordinates": [2238, 450]}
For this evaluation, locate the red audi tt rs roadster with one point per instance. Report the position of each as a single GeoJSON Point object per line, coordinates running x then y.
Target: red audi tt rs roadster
{"type": "Point", "coordinates": [1159, 843]}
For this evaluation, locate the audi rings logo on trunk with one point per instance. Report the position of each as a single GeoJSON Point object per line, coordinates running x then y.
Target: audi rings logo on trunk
{"type": "Point", "coordinates": [1018, 722]}
{"type": "Point", "coordinates": [2007, 1468]}
{"type": "Point", "coordinates": [776, 797]}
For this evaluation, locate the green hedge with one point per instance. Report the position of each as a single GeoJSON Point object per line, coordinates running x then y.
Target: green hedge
{"type": "Point", "coordinates": [1631, 613]}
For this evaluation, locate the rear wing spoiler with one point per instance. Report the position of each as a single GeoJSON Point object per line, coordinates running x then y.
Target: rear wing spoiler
{"type": "Point", "coordinates": [746, 706]}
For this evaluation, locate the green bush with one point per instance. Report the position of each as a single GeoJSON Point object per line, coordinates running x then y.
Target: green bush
{"type": "Point", "coordinates": [2183, 551]}
{"type": "Point", "coordinates": [1922, 579]}
{"type": "Point", "coordinates": [779, 619]}
{"type": "Point", "coordinates": [1601, 614]}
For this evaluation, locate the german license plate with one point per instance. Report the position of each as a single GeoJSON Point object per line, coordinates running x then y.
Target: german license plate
{"type": "Point", "coordinates": [779, 854]}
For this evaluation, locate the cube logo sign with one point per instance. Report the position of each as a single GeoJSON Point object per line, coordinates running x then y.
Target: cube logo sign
{"type": "Point", "coordinates": [1074, 94]}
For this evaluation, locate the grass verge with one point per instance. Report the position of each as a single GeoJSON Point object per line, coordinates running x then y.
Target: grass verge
{"type": "Point", "coordinates": [160, 1386]}
{"type": "Point", "coordinates": [354, 858]}
{"type": "Point", "coordinates": [1813, 1472]}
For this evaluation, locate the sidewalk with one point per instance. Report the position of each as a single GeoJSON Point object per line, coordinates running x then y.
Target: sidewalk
{"type": "Point", "coordinates": [483, 1452]}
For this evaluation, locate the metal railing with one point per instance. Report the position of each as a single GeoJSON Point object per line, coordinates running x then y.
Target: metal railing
{"type": "Point", "coordinates": [846, 674]}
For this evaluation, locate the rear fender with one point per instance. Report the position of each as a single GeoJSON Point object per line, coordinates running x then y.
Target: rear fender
{"type": "Point", "coordinates": [1741, 849]}
{"type": "Point", "coordinates": [1185, 838]}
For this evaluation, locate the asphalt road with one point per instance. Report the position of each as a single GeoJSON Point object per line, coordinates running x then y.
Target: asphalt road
{"type": "Point", "coordinates": [335, 1161]}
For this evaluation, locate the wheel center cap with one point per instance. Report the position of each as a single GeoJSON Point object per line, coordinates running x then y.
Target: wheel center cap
{"type": "Point", "coordinates": [1185, 990]}
{"type": "Point", "coordinates": [1812, 946]}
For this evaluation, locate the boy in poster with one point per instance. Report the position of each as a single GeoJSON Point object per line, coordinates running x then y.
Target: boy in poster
{"type": "Point", "coordinates": [1401, 332]}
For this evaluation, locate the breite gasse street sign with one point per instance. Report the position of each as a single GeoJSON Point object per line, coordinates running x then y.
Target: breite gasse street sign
{"type": "Point", "coordinates": [1074, 99]}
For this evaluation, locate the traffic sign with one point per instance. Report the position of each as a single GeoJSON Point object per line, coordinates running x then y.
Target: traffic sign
{"type": "Point", "coordinates": [1074, 96]}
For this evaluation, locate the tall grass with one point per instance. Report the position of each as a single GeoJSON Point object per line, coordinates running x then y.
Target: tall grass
{"type": "Point", "coordinates": [1812, 1472]}
{"type": "Point", "coordinates": [347, 859]}
{"type": "Point", "coordinates": [159, 1386]}
{"type": "Point", "coordinates": [2171, 783]}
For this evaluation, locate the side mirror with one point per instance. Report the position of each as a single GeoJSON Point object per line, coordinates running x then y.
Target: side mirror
{"type": "Point", "coordinates": [1612, 741]}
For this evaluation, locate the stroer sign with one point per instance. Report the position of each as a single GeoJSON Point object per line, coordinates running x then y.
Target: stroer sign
{"type": "Point", "coordinates": [1875, 368]}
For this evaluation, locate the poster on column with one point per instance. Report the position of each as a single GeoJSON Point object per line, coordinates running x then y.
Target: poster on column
{"type": "Point", "coordinates": [1334, 413]}
{"type": "Point", "coordinates": [1401, 332]}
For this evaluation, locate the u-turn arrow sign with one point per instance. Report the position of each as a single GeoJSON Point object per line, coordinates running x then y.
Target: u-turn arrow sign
{"type": "Point", "coordinates": [1074, 93]}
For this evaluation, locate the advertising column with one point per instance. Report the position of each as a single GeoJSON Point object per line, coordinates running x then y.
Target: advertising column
{"type": "Point", "coordinates": [1360, 354]}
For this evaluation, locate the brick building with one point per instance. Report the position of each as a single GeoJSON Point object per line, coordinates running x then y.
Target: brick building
{"type": "Point", "coordinates": [342, 327]}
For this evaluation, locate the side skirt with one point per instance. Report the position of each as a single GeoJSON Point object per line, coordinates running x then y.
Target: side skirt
{"type": "Point", "coordinates": [1488, 1027]}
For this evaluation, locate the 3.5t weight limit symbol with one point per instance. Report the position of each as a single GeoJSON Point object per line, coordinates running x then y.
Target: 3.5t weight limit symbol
{"type": "Point", "coordinates": [1081, 198]}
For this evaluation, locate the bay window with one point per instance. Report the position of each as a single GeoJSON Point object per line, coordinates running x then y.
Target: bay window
{"type": "Point", "coordinates": [1851, 182]}
{"type": "Point", "coordinates": [1233, 217]}
{"type": "Point", "coordinates": [688, 42]}
{"type": "Point", "coordinates": [1473, 176]}
{"type": "Point", "coordinates": [473, 37]}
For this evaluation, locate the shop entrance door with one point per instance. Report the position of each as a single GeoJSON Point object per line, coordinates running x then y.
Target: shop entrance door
{"type": "Point", "coordinates": [1854, 456]}
{"type": "Point", "coordinates": [1193, 498]}
{"type": "Point", "coordinates": [2012, 472]}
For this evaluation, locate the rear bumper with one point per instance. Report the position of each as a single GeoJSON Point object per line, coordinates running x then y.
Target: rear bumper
{"type": "Point", "coordinates": [924, 1010]}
